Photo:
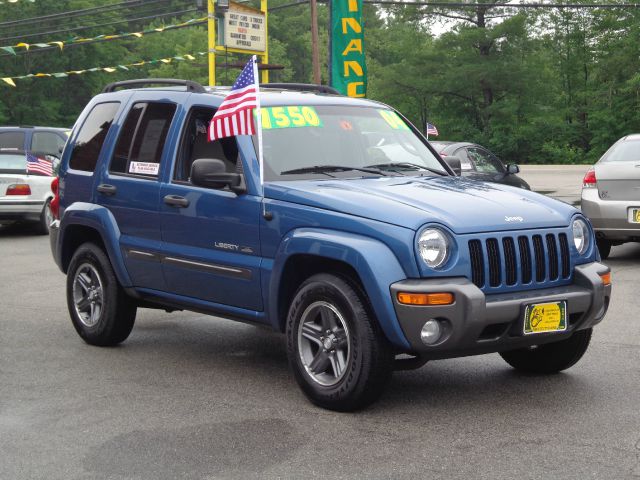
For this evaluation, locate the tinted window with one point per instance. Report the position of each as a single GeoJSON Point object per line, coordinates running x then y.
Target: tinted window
{"type": "Point", "coordinates": [195, 144]}
{"type": "Point", "coordinates": [12, 140]}
{"type": "Point", "coordinates": [91, 136]}
{"type": "Point", "coordinates": [628, 151]}
{"type": "Point", "coordinates": [13, 163]}
{"type": "Point", "coordinates": [485, 161]}
{"type": "Point", "coordinates": [142, 138]}
{"type": "Point", "coordinates": [46, 142]}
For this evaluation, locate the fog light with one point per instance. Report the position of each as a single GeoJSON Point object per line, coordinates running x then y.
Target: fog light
{"type": "Point", "coordinates": [430, 332]}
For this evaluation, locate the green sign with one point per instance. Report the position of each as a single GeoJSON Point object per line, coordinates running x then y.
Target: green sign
{"type": "Point", "coordinates": [348, 67]}
{"type": "Point", "coordinates": [289, 117]}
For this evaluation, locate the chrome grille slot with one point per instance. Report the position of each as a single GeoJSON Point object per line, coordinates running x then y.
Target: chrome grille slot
{"type": "Point", "coordinates": [510, 262]}
{"type": "Point", "coordinates": [525, 259]}
{"type": "Point", "coordinates": [493, 254]}
{"type": "Point", "coordinates": [477, 263]}
{"type": "Point", "coordinates": [564, 253]}
{"type": "Point", "coordinates": [538, 253]}
{"type": "Point", "coordinates": [552, 249]}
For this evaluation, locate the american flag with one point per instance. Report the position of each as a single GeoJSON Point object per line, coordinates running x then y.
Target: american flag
{"type": "Point", "coordinates": [432, 130]}
{"type": "Point", "coordinates": [38, 165]}
{"type": "Point", "coordinates": [235, 114]}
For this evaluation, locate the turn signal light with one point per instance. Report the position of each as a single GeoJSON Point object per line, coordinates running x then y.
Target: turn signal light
{"type": "Point", "coordinates": [18, 189]}
{"type": "Point", "coordinates": [425, 298]}
{"type": "Point", "coordinates": [589, 180]}
{"type": "Point", "coordinates": [606, 278]}
{"type": "Point", "coordinates": [55, 201]}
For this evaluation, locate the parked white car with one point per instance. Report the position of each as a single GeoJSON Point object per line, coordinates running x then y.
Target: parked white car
{"type": "Point", "coordinates": [611, 195]}
{"type": "Point", "coordinates": [24, 196]}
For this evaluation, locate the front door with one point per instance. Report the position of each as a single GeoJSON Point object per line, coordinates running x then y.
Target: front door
{"type": "Point", "coordinates": [211, 237]}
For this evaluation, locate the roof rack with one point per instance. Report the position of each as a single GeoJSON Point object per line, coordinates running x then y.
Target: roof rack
{"type": "Point", "coordinates": [302, 87]}
{"type": "Point", "coordinates": [191, 86]}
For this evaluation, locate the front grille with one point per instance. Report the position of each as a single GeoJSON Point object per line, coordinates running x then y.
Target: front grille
{"type": "Point", "coordinates": [526, 260]}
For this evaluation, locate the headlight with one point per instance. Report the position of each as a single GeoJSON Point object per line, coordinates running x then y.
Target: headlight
{"type": "Point", "coordinates": [433, 245]}
{"type": "Point", "coordinates": [580, 235]}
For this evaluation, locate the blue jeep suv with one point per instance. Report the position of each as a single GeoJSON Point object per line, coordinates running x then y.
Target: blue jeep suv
{"type": "Point", "coordinates": [360, 244]}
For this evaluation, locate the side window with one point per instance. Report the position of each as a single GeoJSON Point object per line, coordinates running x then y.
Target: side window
{"type": "Point", "coordinates": [485, 162]}
{"type": "Point", "coordinates": [465, 164]}
{"type": "Point", "coordinates": [142, 137]}
{"type": "Point", "coordinates": [91, 136]}
{"type": "Point", "coordinates": [195, 144]}
{"type": "Point", "coordinates": [11, 140]}
{"type": "Point", "coordinates": [46, 142]}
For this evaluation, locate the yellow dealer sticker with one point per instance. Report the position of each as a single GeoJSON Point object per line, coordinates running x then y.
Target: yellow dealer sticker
{"type": "Point", "coordinates": [289, 117]}
{"type": "Point", "coordinates": [394, 120]}
{"type": "Point", "coordinates": [545, 317]}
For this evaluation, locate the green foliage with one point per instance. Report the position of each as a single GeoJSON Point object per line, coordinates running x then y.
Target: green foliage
{"type": "Point", "coordinates": [536, 86]}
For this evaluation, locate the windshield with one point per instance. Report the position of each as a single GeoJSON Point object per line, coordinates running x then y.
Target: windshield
{"type": "Point", "coordinates": [309, 140]}
{"type": "Point", "coordinates": [628, 151]}
{"type": "Point", "coordinates": [10, 163]}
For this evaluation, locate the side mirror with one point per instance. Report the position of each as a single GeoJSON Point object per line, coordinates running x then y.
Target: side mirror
{"type": "Point", "coordinates": [512, 168]}
{"type": "Point", "coordinates": [212, 173]}
{"type": "Point", "coordinates": [455, 164]}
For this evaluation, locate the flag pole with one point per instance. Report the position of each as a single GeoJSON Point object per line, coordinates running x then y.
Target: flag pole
{"type": "Point", "coordinates": [259, 128]}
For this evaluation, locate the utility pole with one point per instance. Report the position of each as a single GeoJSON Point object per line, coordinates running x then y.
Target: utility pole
{"type": "Point", "coordinates": [315, 52]}
{"type": "Point", "coordinates": [211, 40]}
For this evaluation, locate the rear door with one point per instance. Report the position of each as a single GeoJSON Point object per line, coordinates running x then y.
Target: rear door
{"type": "Point", "coordinates": [129, 184]}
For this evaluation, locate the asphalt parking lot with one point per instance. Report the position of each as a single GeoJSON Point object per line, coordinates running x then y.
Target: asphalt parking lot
{"type": "Point", "coordinates": [194, 397]}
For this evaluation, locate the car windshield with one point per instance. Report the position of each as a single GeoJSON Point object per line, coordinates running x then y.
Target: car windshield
{"type": "Point", "coordinates": [11, 163]}
{"type": "Point", "coordinates": [628, 151]}
{"type": "Point", "coordinates": [341, 141]}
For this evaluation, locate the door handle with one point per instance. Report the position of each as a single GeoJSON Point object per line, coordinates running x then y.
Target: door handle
{"type": "Point", "coordinates": [107, 189]}
{"type": "Point", "coordinates": [176, 201]}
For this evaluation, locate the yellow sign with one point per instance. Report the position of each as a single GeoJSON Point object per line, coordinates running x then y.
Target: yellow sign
{"type": "Point", "coordinates": [393, 119]}
{"type": "Point", "coordinates": [289, 117]}
{"type": "Point", "coordinates": [245, 28]}
{"type": "Point", "coordinates": [545, 317]}
{"type": "Point", "coordinates": [636, 215]}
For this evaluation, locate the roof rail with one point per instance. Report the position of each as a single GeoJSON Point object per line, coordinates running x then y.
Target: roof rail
{"type": "Point", "coordinates": [191, 86]}
{"type": "Point", "coordinates": [302, 87]}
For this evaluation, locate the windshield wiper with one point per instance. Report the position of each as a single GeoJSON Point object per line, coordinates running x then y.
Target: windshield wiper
{"type": "Point", "coordinates": [333, 168]}
{"type": "Point", "coordinates": [407, 166]}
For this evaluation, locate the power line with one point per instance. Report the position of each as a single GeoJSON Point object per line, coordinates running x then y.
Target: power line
{"type": "Point", "coordinates": [128, 20]}
{"type": "Point", "coordinates": [473, 5]}
{"type": "Point", "coordinates": [82, 12]}
{"type": "Point", "coordinates": [509, 5]}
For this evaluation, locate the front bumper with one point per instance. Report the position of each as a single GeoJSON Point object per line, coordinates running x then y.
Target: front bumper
{"type": "Point", "coordinates": [477, 323]}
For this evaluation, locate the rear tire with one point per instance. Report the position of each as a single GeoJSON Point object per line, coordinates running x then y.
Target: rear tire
{"type": "Point", "coordinates": [336, 349]}
{"type": "Point", "coordinates": [551, 357]}
{"type": "Point", "coordinates": [46, 217]}
{"type": "Point", "coordinates": [101, 312]}
{"type": "Point", "coordinates": [604, 247]}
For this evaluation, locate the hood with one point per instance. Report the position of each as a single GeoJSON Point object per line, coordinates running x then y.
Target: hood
{"type": "Point", "coordinates": [465, 206]}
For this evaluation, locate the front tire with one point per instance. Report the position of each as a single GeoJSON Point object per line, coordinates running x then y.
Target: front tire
{"type": "Point", "coordinates": [338, 354]}
{"type": "Point", "coordinates": [604, 247]}
{"type": "Point", "coordinates": [100, 310]}
{"type": "Point", "coordinates": [551, 357]}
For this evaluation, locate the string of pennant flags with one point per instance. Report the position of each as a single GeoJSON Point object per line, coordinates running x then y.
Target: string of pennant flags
{"type": "Point", "coordinates": [178, 58]}
{"type": "Point", "coordinates": [22, 46]}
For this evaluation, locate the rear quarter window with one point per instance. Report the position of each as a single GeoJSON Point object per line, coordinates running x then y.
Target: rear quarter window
{"type": "Point", "coordinates": [12, 140]}
{"type": "Point", "coordinates": [90, 138]}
